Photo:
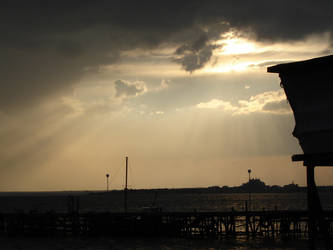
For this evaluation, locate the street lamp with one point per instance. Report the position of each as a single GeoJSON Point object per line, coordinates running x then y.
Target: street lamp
{"type": "Point", "coordinates": [249, 187]}
{"type": "Point", "coordinates": [107, 182]}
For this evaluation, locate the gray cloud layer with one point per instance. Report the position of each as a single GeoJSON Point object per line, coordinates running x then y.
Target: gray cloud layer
{"type": "Point", "coordinates": [46, 46]}
{"type": "Point", "coordinates": [127, 89]}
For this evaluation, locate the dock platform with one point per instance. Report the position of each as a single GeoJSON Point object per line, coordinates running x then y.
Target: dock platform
{"type": "Point", "coordinates": [217, 225]}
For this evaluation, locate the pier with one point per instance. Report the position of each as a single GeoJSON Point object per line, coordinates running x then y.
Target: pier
{"type": "Point", "coordinates": [218, 225]}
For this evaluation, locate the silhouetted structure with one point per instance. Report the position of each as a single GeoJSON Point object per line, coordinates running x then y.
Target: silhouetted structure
{"type": "Point", "coordinates": [254, 186]}
{"type": "Point", "coordinates": [125, 189]}
{"type": "Point", "coordinates": [308, 87]}
{"type": "Point", "coordinates": [255, 224]}
{"type": "Point", "coordinates": [107, 182]}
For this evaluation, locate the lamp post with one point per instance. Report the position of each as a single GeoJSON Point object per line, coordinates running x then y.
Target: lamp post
{"type": "Point", "coordinates": [107, 182]}
{"type": "Point", "coordinates": [249, 187]}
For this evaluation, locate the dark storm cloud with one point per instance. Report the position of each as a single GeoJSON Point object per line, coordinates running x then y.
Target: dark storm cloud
{"type": "Point", "coordinates": [283, 20]}
{"type": "Point", "coordinates": [195, 54]}
{"type": "Point", "coordinates": [46, 46]}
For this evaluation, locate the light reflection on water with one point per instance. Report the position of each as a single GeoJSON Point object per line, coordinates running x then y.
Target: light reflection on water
{"type": "Point", "coordinates": [168, 201]}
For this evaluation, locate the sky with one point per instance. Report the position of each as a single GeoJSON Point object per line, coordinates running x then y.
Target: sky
{"type": "Point", "coordinates": [180, 87]}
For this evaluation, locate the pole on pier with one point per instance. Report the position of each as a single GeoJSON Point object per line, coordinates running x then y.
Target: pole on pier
{"type": "Point", "coordinates": [125, 190]}
{"type": "Point", "coordinates": [107, 182]}
{"type": "Point", "coordinates": [246, 220]}
{"type": "Point", "coordinates": [314, 206]}
{"type": "Point", "coordinates": [249, 171]}
{"type": "Point", "coordinates": [317, 223]}
{"type": "Point", "coordinates": [310, 199]}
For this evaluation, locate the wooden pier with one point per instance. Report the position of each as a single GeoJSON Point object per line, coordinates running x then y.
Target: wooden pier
{"type": "Point", "coordinates": [267, 224]}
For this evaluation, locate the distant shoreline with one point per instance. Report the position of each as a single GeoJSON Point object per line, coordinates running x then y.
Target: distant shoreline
{"type": "Point", "coordinates": [214, 189]}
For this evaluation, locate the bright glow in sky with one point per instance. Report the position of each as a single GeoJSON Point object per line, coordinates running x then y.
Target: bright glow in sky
{"type": "Point", "coordinates": [233, 45]}
{"type": "Point", "coordinates": [238, 54]}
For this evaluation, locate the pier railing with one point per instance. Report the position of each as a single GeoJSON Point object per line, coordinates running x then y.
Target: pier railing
{"type": "Point", "coordinates": [268, 224]}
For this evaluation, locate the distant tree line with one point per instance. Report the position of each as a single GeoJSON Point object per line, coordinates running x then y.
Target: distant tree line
{"type": "Point", "coordinates": [254, 185]}
{"type": "Point", "coordinates": [257, 186]}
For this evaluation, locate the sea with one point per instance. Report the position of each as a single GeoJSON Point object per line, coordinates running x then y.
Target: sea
{"type": "Point", "coordinates": [138, 200]}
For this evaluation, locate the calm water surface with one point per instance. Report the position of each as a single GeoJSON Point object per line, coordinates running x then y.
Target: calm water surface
{"type": "Point", "coordinates": [168, 201]}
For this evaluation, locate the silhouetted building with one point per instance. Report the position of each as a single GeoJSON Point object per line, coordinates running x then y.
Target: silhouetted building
{"type": "Point", "coordinates": [309, 86]}
{"type": "Point", "coordinates": [291, 187]}
{"type": "Point", "coordinates": [254, 186]}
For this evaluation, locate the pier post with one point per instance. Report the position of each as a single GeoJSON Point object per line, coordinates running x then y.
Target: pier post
{"type": "Point", "coordinates": [311, 195]}
{"type": "Point", "coordinates": [317, 223]}
{"type": "Point", "coordinates": [316, 217]}
{"type": "Point", "coordinates": [125, 190]}
{"type": "Point", "coordinates": [246, 220]}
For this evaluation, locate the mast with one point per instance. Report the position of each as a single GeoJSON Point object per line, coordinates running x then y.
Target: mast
{"type": "Point", "coordinates": [107, 182]}
{"type": "Point", "coordinates": [126, 172]}
{"type": "Point", "coordinates": [125, 190]}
